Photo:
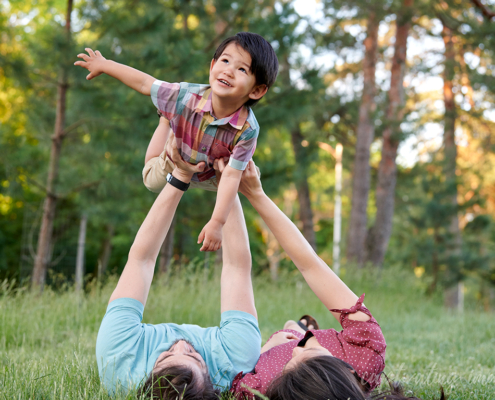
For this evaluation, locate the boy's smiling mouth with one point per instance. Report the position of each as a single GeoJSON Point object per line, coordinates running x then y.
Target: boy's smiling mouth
{"type": "Point", "coordinates": [224, 82]}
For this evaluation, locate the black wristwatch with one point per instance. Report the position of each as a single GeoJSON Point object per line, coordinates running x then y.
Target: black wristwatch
{"type": "Point", "coordinates": [177, 183]}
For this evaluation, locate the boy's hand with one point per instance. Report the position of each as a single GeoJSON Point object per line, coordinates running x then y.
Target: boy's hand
{"type": "Point", "coordinates": [93, 63]}
{"type": "Point", "coordinates": [212, 236]}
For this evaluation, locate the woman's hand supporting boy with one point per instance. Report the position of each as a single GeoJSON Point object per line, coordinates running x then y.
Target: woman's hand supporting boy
{"type": "Point", "coordinates": [96, 64]}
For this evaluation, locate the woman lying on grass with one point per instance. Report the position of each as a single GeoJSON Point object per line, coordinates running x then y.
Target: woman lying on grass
{"type": "Point", "coordinates": [298, 364]}
{"type": "Point", "coordinates": [179, 361]}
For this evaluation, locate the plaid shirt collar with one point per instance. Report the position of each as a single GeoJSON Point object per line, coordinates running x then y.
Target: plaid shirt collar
{"type": "Point", "coordinates": [236, 120]}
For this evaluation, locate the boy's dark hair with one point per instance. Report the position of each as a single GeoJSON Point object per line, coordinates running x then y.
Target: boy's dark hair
{"type": "Point", "coordinates": [264, 62]}
{"type": "Point", "coordinates": [177, 382]}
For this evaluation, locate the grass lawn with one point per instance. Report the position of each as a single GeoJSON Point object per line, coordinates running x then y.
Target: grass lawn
{"type": "Point", "coordinates": [47, 342]}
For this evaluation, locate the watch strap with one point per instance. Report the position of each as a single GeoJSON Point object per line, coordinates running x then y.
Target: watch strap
{"type": "Point", "coordinates": [177, 183]}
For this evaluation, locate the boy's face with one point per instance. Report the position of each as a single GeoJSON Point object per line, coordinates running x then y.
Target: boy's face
{"type": "Point", "coordinates": [231, 77]}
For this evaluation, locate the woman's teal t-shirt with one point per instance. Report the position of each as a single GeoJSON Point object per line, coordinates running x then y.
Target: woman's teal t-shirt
{"type": "Point", "coordinates": [126, 349]}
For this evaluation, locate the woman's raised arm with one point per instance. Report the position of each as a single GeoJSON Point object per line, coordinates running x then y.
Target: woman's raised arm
{"type": "Point", "coordinates": [327, 286]}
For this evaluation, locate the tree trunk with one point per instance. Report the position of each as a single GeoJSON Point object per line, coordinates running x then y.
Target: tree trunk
{"type": "Point", "coordinates": [379, 234]}
{"type": "Point", "coordinates": [337, 213]}
{"type": "Point", "coordinates": [81, 244]}
{"type": "Point", "coordinates": [167, 249]}
{"type": "Point", "coordinates": [273, 250]}
{"type": "Point", "coordinates": [301, 180]}
{"type": "Point", "coordinates": [453, 296]}
{"type": "Point", "coordinates": [45, 236]}
{"type": "Point", "coordinates": [218, 259]}
{"type": "Point", "coordinates": [106, 251]}
{"type": "Point", "coordinates": [434, 261]}
{"type": "Point", "coordinates": [365, 133]}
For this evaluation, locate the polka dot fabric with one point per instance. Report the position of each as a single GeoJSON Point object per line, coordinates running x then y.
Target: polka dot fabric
{"type": "Point", "coordinates": [361, 344]}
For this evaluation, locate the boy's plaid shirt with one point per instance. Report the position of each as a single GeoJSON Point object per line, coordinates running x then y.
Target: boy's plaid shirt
{"type": "Point", "coordinates": [200, 136]}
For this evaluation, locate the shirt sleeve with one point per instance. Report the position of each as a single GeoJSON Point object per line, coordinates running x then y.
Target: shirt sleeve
{"type": "Point", "coordinates": [241, 339]}
{"type": "Point", "coordinates": [118, 342]}
{"type": "Point", "coordinates": [363, 343]}
{"type": "Point", "coordinates": [244, 149]}
{"type": "Point", "coordinates": [164, 96]}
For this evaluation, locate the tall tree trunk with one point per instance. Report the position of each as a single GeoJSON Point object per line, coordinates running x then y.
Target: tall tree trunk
{"type": "Point", "coordinates": [218, 259]}
{"type": "Point", "coordinates": [301, 180]}
{"type": "Point", "coordinates": [365, 133]}
{"type": "Point", "coordinates": [167, 249]}
{"type": "Point", "coordinates": [81, 245]}
{"type": "Point", "coordinates": [453, 296]}
{"type": "Point", "coordinates": [106, 250]}
{"type": "Point", "coordinates": [337, 214]}
{"type": "Point", "coordinates": [300, 172]}
{"type": "Point", "coordinates": [273, 250]}
{"type": "Point", "coordinates": [450, 148]}
{"type": "Point", "coordinates": [379, 234]}
{"type": "Point", "coordinates": [45, 236]}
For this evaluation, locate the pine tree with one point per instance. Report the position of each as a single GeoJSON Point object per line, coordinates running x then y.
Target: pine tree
{"type": "Point", "coordinates": [379, 233]}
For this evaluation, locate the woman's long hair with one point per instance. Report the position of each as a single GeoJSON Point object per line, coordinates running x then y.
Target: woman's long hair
{"type": "Point", "coordinates": [317, 378]}
{"type": "Point", "coordinates": [327, 377]}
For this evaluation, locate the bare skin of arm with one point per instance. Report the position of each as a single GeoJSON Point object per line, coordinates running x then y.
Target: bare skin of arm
{"type": "Point", "coordinates": [158, 141]}
{"type": "Point", "coordinates": [96, 64]}
{"type": "Point", "coordinates": [136, 278]}
{"type": "Point", "coordinates": [236, 285]}
{"type": "Point", "coordinates": [227, 193]}
{"type": "Point", "coordinates": [327, 286]}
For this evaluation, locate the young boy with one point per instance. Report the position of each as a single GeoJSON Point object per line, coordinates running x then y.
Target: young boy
{"type": "Point", "coordinates": [208, 121]}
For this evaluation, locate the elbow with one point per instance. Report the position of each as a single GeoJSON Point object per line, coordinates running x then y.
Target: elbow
{"type": "Point", "coordinates": [141, 256]}
{"type": "Point", "coordinates": [239, 265]}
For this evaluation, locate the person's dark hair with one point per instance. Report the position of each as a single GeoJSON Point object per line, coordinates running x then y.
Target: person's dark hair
{"type": "Point", "coordinates": [317, 378]}
{"type": "Point", "coordinates": [177, 382]}
{"type": "Point", "coordinates": [264, 62]}
{"type": "Point", "coordinates": [327, 377]}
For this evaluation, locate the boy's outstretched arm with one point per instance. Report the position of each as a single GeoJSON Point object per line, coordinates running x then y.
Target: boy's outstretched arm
{"type": "Point", "coordinates": [96, 64]}
{"type": "Point", "coordinates": [227, 192]}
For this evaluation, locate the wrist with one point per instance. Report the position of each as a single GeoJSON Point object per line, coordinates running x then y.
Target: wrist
{"type": "Point", "coordinates": [216, 222]}
{"type": "Point", "coordinates": [181, 175]}
{"type": "Point", "coordinates": [254, 195]}
{"type": "Point", "coordinates": [106, 66]}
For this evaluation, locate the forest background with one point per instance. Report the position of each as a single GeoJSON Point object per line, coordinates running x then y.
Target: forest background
{"type": "Point", "coordinates": [407, 87]}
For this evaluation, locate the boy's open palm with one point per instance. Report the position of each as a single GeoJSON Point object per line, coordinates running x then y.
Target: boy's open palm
{"type": "Point", "coordinates": [92, 62]}
{"type": "Point", "coordinates": [212, 236]}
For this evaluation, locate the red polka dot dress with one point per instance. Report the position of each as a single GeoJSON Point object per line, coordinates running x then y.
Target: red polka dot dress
{"type": "Point", "coordinates": [360, 344]}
